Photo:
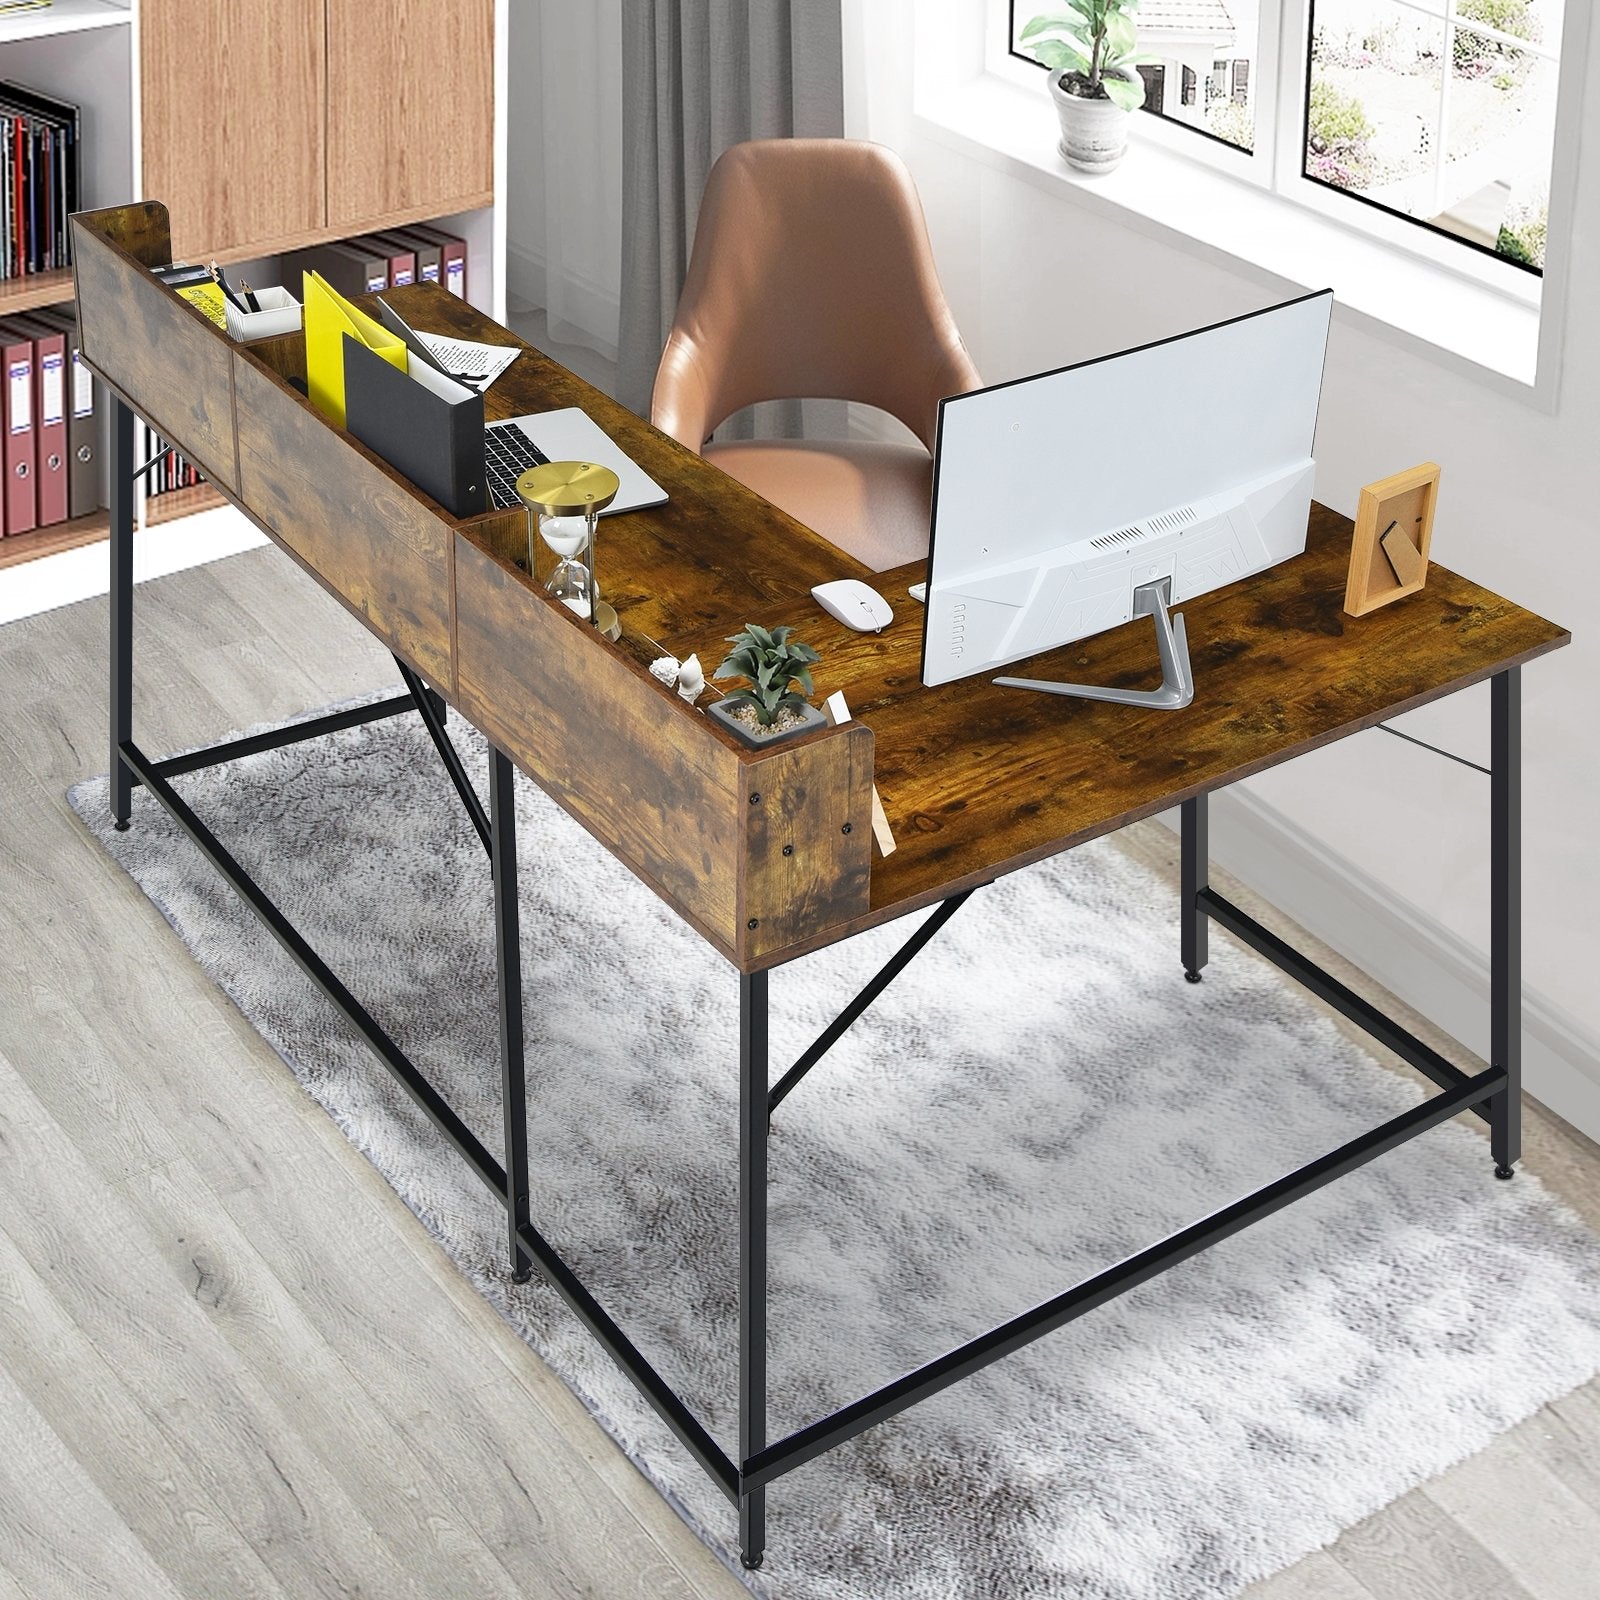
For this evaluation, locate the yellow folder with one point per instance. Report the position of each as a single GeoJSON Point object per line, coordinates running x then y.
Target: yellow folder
{"type": "Point", "coordinates": [328, 317]}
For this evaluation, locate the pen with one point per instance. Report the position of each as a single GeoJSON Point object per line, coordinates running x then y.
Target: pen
{"type": "Point", "coordinates": [222, 283]}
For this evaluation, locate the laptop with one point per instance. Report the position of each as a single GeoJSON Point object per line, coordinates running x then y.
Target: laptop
{"type": "Point", "coordinates": [538, 438]}
{"type": "Point", "coordinates": [511, 447]}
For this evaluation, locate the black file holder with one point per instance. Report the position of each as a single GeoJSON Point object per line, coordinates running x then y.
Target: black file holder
{"type": "Point", "coordinates": [437, 442]}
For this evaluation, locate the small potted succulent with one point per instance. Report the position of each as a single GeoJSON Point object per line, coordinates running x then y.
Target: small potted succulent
{"type": "Point", "coordinates": [1091, 49]}
{"type": "Point", "coordinates": [769, 709]}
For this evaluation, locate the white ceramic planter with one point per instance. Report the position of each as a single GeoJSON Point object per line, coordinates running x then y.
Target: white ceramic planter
{"type": "Point", "coordinates": [1094, 133]}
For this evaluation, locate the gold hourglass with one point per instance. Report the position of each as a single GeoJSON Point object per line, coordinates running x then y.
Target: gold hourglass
{"type": "Point", "coordinates": [564, 501]}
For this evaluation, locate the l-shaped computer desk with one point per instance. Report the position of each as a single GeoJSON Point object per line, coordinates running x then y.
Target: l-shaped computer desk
{"type": "Point", "coordinates": [767, 854]}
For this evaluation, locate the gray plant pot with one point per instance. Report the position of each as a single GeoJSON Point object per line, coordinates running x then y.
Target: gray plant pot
{"type": "Point", "coordinates": [1094, 133]}
{"type": "Point", "coordinates": [813, 718]}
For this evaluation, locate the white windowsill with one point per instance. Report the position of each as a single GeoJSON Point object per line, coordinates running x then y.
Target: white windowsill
{"type": "Point", "coordinates": [1387, 291]}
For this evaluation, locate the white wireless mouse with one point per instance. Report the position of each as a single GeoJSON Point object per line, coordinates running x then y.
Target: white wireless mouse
{"type": "Point", "coordinates": [855, 604]}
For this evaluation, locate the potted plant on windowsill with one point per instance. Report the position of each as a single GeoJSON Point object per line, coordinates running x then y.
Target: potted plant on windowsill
{"type": "Point", "coordinates": [1091, 49]}
{"type": "Point", "coordinates": [769, 709]}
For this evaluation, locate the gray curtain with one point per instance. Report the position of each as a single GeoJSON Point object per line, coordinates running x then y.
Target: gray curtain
{"type": "Point", "coordinates": [698, 76]}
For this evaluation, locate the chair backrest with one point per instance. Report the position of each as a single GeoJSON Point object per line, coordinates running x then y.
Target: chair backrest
{"type": "Point", "coordinates": [811, 278]}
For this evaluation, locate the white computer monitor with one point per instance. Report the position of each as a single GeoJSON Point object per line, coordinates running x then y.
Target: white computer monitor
{"type": "Point", "coordinates": [1067, 503]}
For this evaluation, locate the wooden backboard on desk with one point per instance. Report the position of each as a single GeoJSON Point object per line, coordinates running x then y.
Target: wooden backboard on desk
{"type": "Point", "coordinates": [654, 781]}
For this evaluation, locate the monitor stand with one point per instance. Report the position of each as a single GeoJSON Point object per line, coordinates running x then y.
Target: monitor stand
{"type": "Point", "coordinates": [1177, 677]}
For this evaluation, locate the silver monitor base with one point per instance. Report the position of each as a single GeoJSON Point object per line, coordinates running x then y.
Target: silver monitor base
{"type": "Point", "coordinates": [1172, 642]}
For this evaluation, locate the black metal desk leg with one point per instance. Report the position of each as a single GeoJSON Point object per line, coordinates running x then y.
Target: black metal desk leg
{"type": "Point", "coordinates": [508, 972]}
{"type": "Point", "coordinates": [753, 1124]}
{"type": "Point", "coordinates": [1505, 915]}
{"type": "Point", "coordinates": [121, 593]}
{"type": "Point", "coordinates": [1193, 876]}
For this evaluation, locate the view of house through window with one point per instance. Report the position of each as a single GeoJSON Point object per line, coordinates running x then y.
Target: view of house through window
{"type": "Point", "coordinates": [1206, 71]}
{"type": "Point", "coordinates": [1441, 111]}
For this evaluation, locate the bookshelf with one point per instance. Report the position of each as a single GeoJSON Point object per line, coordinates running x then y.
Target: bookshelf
{"type": "Point", "coordinates": [137, 68]}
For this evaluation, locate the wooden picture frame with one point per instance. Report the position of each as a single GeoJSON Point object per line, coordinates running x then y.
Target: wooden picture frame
{"type": "Point", "coordinates": [1394, 528]}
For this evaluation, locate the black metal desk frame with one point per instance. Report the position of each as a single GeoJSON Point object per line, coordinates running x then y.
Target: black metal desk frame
{"type": "Point", "coordinates": [1494, 1093]}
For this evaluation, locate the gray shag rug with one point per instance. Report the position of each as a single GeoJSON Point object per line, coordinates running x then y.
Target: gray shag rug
{"type": "Point", "coordinates": [1039, 1095]}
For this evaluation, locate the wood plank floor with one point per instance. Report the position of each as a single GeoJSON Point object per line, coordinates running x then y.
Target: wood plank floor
{"type": "Point", "coordinates": [233, 1364]}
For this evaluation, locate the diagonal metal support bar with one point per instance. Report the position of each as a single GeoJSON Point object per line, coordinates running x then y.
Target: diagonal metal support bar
{"type": "Point", "coordinates": [820, 1436]}
{"type": "Point", "coordinates": [434, 723]}
{"type": "Point", "coordinates": [216, 755]}
{"type": "Point", "coordinates": [662, 1398]}
{"type": "Point", "coordinates": [841, 1024]}
{"type": "Point", "coordinates": [655, 1389]}
{"type": "Point", "coordinates": [1347, 1002]}
{"type": "Point", "coordinates": [393, 1057]}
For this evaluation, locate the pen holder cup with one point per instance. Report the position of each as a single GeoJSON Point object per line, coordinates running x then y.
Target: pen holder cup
{"type": "Point", "coordinates": [279, 313]}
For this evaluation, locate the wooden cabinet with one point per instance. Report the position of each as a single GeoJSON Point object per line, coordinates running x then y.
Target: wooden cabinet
{"type": "Point", "coordinates": [233, 122]}
{"type": "Point", "coordinates": [410, 105]}
{"type": "Point", "coordinates": [272, 125]}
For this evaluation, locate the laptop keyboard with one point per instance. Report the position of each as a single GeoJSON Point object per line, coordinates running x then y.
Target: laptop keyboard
{"type": "Point", "coordinates": [507, 453]}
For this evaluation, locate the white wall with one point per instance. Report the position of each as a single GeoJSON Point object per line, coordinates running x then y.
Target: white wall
{"type": "Point", "coordinates": [564, 166]}
{"type": "Point", "coordinates": [1036, 280]}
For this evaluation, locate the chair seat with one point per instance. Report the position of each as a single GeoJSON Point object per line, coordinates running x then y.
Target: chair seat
{"type": "Point", "coordinates": [869, 499]}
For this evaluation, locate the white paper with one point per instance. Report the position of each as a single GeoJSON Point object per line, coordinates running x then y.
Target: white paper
{"type": "Point", "coordinates": [462, 356]}
{"type": "Point", "coordinates": [21, 396]}
{"type": "Point", "coordinates": [446, 388]}
{"type": "Point", "coordinates": [52, 390]}
{"type": "Point", "coordinates": [82, 387]}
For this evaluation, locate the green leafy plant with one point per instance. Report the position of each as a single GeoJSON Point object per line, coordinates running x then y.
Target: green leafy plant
{"type": "Point", "coordinates": [1094, 43]}
{"type": "Point", "coordinates": [1472, 54]}
{"type": "Point", "coordinates": [1523, 233]}
{"type": "Point", "coordinates": [771, 663]}
{"type": "Point", "coordinates": [1338, 121]}
{"type": "Point", "coordinates": [1339, 138]}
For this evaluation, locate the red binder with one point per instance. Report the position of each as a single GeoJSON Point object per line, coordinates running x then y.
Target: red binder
{"type": "Point", "coordinates": [49, 417]}
{"type": "Point", "coordinates": [402, 260]}
{"type": "Point", "coordinates": [16, 416]}
{"type": "Point", "coordinates": [402, 255]}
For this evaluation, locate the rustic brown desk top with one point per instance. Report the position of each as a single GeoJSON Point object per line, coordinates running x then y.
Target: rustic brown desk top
{"type": "Point", "coordinates": [978, 780]}
{"type": "Point", "coordinates": [767, 853]}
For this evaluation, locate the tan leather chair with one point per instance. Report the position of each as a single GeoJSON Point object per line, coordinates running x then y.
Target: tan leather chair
{"type": "Point", "coordinates": [812, 278]}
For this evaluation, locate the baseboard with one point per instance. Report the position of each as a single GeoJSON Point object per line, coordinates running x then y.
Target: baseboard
{"type": "Point", "coordinates": [593, 308]}
{"type": "Point", "coordinates": [1409, 952]}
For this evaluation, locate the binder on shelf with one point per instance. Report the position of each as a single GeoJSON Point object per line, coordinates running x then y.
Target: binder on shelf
{"type": "Point", "coordinates": [401, 257]}
{"type": "Point", "coordinates": [427, 253]}
{"type": "Point", "coordinates": [452, 256]}
{"type": "Point", "coordinates": [83, 406]}
{"type": "Point", "coordinates": [424, 424]}
{"type": "Point", "coordinates": [328, 317]}
{"type": "Point", "coordinates": [21, 503]}
{"type": "Point", "coordinates": [49, 417]}
{"type": "Point", "coordinates": [343, 268]}
{"type": "Point", "coordinates": [39, 154]}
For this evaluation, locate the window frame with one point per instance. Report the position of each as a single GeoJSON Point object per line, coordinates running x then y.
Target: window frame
{"type": "Point", "coordinates": [1281, 129]}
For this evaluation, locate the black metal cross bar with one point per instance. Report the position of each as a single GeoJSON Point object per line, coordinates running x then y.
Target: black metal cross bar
{"type": "Point", "coordinates": [824, 1434]}
{"type": "Point", "coordinates": [533, 1246]}
{"type": "Point", "coordinates": [429, 706]}
{"type": "Point", "coordinates": [216, 755]}
{"type": "Point", "coordinates": [1366, 1016]}
{"type": "Point", "coordinates": [427, 1097]}
{"type": "Point", "coordinates": [841, 1024]}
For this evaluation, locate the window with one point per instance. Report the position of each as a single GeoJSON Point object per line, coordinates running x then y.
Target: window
{"type": "Point", "coordinates": [1442, 111]}
{"type": "Point", "coordinates": [1437, 112]}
